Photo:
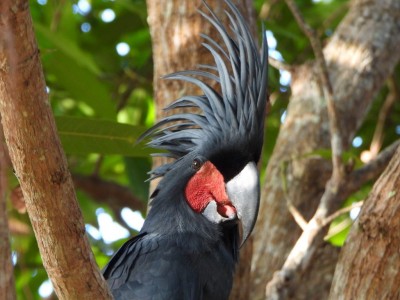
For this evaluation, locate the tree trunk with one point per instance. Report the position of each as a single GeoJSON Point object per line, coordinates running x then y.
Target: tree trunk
{"type": "Point", "coordinates": [369, 264]}
{"type": "Point", "coordinates": [360, 55]}
{"type": "Point", "coordinates": [175, 28]}
{"type": "Point", "coordinates": [40, 163]}
{"type": "Point", "coordinates": [7, 289]}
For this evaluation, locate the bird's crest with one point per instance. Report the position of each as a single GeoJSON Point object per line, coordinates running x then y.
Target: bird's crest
{"type": "Point", "coordinates": [231, 118]}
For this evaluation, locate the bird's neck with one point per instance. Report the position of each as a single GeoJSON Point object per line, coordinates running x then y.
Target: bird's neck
{"type": "Point", "coordinates": [231, 239]}
{"type": "Point", "coordinates": [177, 220]}
{"type": "Point", "coordinates": [171, 214]}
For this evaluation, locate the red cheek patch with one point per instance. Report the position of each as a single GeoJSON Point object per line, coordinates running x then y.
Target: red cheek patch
{"type": "Point", "coordinates": [207, 185]}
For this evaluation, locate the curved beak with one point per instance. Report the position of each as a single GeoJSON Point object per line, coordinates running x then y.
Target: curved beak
{"type": "Point", "coordinates": [244, 192]}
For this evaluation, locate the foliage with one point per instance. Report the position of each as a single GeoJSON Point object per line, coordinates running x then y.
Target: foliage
{"type": "Point", "coordinates": [102, 101]}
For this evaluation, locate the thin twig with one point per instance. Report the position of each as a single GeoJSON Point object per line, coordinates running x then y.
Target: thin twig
{"type": "Point", "coordinates": [97, 166]}
{"type": "Point", "coordinates": [336, 140]}
{"type": "Point", "coordinates": [298, 217]}
{"type": "Point", "coordinates": [124, 97]}
{"type": "Point", "coordinates": [340, 212]}
{"type": "Point", "coordinates": [377, 139]}
{"type": "Point", "coordinates": [56, 20]}
{"type": "Point", "coordinates": [307, 244]}
{"type": "Point", "coordinates": [279, 65]}
{"type": "Point", "coordinates": [339, 227]}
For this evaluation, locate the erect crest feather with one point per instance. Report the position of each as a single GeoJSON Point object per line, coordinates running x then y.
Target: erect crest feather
{"type": "Point", "coordinates": [232, 118]}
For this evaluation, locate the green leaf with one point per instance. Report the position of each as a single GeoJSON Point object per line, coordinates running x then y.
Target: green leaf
{"type": "Point", "coordinates": [285, 33]}
{"type": "Point", "coordinates": [137, 8]}
{"type": "Point", "coordinates": [84, 136]}
{"type": "Point", "coordinates": [340, 227]}
{"type": "Point", "coordinates": [69, 48]}
{"type": "Point", "coordinates": [338, 231]}
{"type": "Point", "coordinates": [80, 84]}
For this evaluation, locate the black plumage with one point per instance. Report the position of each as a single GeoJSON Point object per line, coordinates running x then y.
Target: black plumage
{"type": "Point", "coordinates": [179, 253]}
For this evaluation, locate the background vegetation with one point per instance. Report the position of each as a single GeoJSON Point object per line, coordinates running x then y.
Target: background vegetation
{"type": "Point", "coordinates": [97, 59]}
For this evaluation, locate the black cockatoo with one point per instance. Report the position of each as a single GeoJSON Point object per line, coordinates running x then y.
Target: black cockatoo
{"type": "Point", "coordinates": [206, 204]}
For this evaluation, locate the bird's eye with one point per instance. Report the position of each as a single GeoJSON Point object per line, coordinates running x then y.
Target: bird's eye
{"type": "Point", "coordinates": [196, 164]}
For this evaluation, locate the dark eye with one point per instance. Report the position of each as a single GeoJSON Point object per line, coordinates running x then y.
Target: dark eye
{"type": "Point", "coordinates": [196, 164]}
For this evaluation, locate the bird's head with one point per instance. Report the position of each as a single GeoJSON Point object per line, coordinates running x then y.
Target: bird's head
{"type": "Point", "coordinates": [217, 150]}
{"type": "Point", "coordinates": [221, 200]}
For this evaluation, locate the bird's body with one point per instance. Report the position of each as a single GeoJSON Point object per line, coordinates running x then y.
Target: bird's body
{"type": "Point", "coordinates": [169, 268]}
{"type": "Point", "coordinates": [189, 243]}
{"type": "Point", "coordinates": [183, 257]}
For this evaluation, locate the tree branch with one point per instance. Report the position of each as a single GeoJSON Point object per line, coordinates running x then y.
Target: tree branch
{"type": "Point", "coordinates": [40, 163]}
{"type": "Point", "coordinates": [108, 192]}
{"type": "Point", "coordinates": [369, 171]}
{"type": "Point", "coordinates": [305, 247]}
{"type": "Point", "coordinates": [357, 69]}
{"type": "Point", "coordinates": [309, 240]}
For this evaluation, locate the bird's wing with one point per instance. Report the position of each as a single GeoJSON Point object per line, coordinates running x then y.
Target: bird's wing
{"type": "Point", "coordinates": [115, 272]}
{"type": "Point", "coordinates": [147, 268]}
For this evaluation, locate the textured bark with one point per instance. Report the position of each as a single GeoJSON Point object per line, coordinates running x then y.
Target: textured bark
{"type": "Point", "coordinates": [175, 28]}
{"type": "Point", "coordinates": [361, 54]}
{"type": "Point", "coordinates": [369, 264]}
{"type": "Point", "coordinates": [7, 289]}
{"type": "Point", "coordinates": [40, 163]}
